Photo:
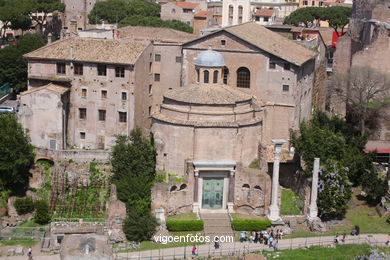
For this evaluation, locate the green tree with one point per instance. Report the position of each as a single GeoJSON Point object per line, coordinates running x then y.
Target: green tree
{"type": "Point", "coordinates": [45, 7]}
{"type": "Point", "coordinates": [337, 17]}
{"type": "Point", "coordinates": [334, 190]}
{"type": "Point", "coordinates": [16, 155]}
{"type": "Point", "coordinates": [303, 15]}
{"type": "Point", "coordinates": [24, 205]}
{"type": "Point", "coordinates": [41, 215]}
{"type": "Point", "coordinates": [13, 67]}
{"type": "Point", "coordinates": [22, 22]}
{"type": "Point", "coordinates": [133, 162]}
{"type": "Point", "coordinates": [338, 145]}
{"type": "Point", "coordinates": [111, 11]}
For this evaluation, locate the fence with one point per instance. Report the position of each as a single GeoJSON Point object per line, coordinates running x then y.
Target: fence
{"type": "Point", "coordinates": [23, 232]}
{"type": "Point", "coordinates": [239, 249]}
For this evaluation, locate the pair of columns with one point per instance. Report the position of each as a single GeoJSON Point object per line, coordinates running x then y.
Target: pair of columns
{"type": "Point", "coordinates": [274, 211]}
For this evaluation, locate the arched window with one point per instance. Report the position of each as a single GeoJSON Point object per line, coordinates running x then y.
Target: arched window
{"type": "Point", "coordinates": [243, 78]}
{"type": "Point", "coordinates": [173, 188]}
{"type": "Point", "coordinates": [257, 187]}
{"type": "Point", "coordinates": [245, 186]}
{"type": "Point", "coordinates": [230, 14]}
{"type": "Point", "coordinates": [225, 75]}
{"type": "Point", "coordinates": [206, 76]}
{"type": "Point", "coordinates": [215, 77]}
{"type": "Point", "coordinates": [240, 11]}
{"type": "Point", "coordinates": [183, 186]}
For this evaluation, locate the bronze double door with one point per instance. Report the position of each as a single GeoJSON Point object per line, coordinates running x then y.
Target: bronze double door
{"type": "Point", "coordinates": [212, 193]}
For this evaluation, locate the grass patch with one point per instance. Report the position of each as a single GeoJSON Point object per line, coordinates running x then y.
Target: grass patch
{"type": "Point", "coordinates": [185, 216]}
{"type": "Point", "coordinates": [322, 253]}
{"type": "Point", "coordinates": [291, 203]}
{"type": "Point", "coordinates": [19, 242]}
{"type": "Point", "coordinates": [149, 245]}
{"type": "Point", "coordinates": [30, 223]}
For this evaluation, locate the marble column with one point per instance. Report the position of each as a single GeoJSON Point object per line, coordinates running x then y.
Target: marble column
{"type": "Point", "coordinates": [313, 210]}
{"type": "Point", "coordinates": [195, 207]}
{"type": "Point", "coordinates": [231, 191]}
{"type": "Point", "coordinates": [274, 208]}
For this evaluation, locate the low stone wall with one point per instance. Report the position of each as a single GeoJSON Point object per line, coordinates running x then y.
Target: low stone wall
{"type": "Point", "coordinates": [75, 155]}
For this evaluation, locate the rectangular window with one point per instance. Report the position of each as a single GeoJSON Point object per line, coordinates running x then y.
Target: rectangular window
{"type": "Point", "coordinates": [104, 94]}
{"type": "Point", "coordinates": [53, 144]}
{"type": "Point", "coordinates": [150, 89]}
{"type": "Point", "coordinates": [179, 59]}
{"type": "Point", "coordinates": [287, 66]}
{"type": "Point", "coordinates": [120, 72]}
{"type": "Point", "coordinates": [156, 77]}
{"type": "Point", "coordinates": [61, 68]}
{"type": "Point", "coordinates": [305, 2]}
{"type": "Point", "coordinates": [124, 95]}
{"type": "Point", "coordinates": [286, 88]}
{"type": "Point", "coordinates": [122, 117]}
{"type": "Point", "coordinates": [102, 70]}
{"type": "Point", "coordinates": [82, 113]}
{"type": "Point", "coordinates": [157, 57]}
{"type": "Point", "coordinates": [223, 42]}
{"type": "Point", "coordinates": [102, 115]}
{"type": "Point", "coordinates": [312, 3]}
{"type": "Point", "coordinates": [272, 65]}
{"type": "Point", "coordinates": [82, 135]}
{"type": "Point", "coordinates": [78, 69]}
{"type": "Point", "coordinates": [84, 92]}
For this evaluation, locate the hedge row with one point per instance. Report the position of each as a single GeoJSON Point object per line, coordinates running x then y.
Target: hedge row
{"type": "Point", "coordinates": [185, 225]}
{"type": "Point", "coordinates": [250, 224]}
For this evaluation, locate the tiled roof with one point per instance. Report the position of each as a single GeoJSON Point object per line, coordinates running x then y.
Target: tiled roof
{"type": "Point", "coordinates": [154, 33]}
{"type": "Point", "coordinates": [50, 86]}
{"type": "Point", "coordinates": [203, 14]}
{"type": "Point", "coordinates": [214, 94]}
{"type": "Point", "coordinates": [271, 42]}
{"type": "Point", "coordinates": [186, 5]}
{"type": "Point", "coordinates": [264, 12]}
{"type": "Point", "coordinates": [92, 50]}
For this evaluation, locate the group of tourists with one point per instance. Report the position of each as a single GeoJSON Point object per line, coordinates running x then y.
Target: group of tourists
{"type": "Point", "coordinates": [270, 238]}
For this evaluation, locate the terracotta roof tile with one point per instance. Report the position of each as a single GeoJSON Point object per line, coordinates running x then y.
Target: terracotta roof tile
{"type": "Point", "coordinates": [203, 13]}
{"type": "Point", "coordinates": [50, 86]}
{"type": "Point", "coordinates": [154, 33]}
{"type": "Point", "coordinates": [271, 42]}
{"type": "Point", "coordinates": [264, 12]}
{"type": "Point", "coordinates": [92, 50]}
{"type": "Point", "coordinates": [186, 5]}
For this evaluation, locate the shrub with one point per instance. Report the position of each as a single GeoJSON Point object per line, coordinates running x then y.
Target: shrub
{"type": "Point", "coordinates": [139, 226]}
{"type": "Point", "coordinates": [250, 224]}
{"type": "Point", "coordinates": [42, 212]}
{"type": "Point", "coordinates": [24, 205]}
{"type": "Point", "coordinates": [185, 225]}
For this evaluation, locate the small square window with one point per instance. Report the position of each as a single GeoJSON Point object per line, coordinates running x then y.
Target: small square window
{"type": "Point", "coordinates": [287, 66]}
{"type": "Point", "coordinates": [122, 117]}
{"type": "Point", "coordinates": [104, 93]}
{"type": "Point", "coordinates": [150, 89]}
{"type": "Point", "coordinates": [120, 72]}
{"type": "Point", "coordinates": [78, 69]}
{"type": "Point", "coordinates": [61, 68]}
{"type": "Point", "coordinates": [102, 115]}
{"type": "Point", "coordinates": [286, 88]}
{"type": "Point", "coordinates": [179, 59]}
{"type": "Point", "coordinates": [272, 65]}
{"type": "Point", "coordinates": [223, 42]}
{"type": "Point", "coordinates": [102, 70]}
{"type": "Point", "coordinates": [157, 57]}
{"type": "Point", "coordinates": [156, 77]}
{"type": "Point", "coordinates": [124, 95]}
{"type": "Point", "coordinates": [82, 135]}
{"type": "Point", "coordinates": [82, 113]}
{"type": "Point", "coordinates": [84, 92]}
{"type": "Point", "coordinates": [266, 19]}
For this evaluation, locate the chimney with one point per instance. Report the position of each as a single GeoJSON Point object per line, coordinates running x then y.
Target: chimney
{"type": "Point", "coordinates": [49, 38]}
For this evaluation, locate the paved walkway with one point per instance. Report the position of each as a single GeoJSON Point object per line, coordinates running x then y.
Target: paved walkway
{"type": "Point", "coordinates": [229, 248]}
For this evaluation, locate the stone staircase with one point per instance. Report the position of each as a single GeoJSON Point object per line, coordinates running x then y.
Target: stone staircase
{"type": "Point", "coordinates": [216, 224]}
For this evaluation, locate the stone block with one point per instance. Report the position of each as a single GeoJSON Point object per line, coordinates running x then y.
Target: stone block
{"type": "Point", "coordinates": [11, 252]}
{"type": "Point", "coordinates": [19, 250]}
{"type": "Point", "coordinates": [293, 223]}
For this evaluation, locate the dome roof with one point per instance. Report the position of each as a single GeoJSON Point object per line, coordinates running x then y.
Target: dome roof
{"type": "Point", "coordinates": [209, 58]}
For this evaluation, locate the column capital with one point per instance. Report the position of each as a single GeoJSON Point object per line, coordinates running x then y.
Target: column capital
{"type": "Point", "coordinates": [232, 173]}
{"type": "Point", "coordinates": [196, 173]}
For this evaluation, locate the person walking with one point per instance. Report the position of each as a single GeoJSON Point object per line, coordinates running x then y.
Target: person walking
{"type": "Point", "coordinates": [388, 240]}
{"type": "Point", "coordinates": [336, 239]}
{"type": "Point", "coordinates": [216, 243]}
{"type": "Point", "coordinates": [29, 254]}
{"type": "Point", "coordinates": [242, 236]}
{"type": "Point", "coordinates": [344, 235]}
{"type": "Point", "coordinates": [193, 251]}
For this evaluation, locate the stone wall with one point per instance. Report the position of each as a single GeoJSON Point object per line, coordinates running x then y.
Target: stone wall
{"type": "Point", "coordinates": [75, 155]}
